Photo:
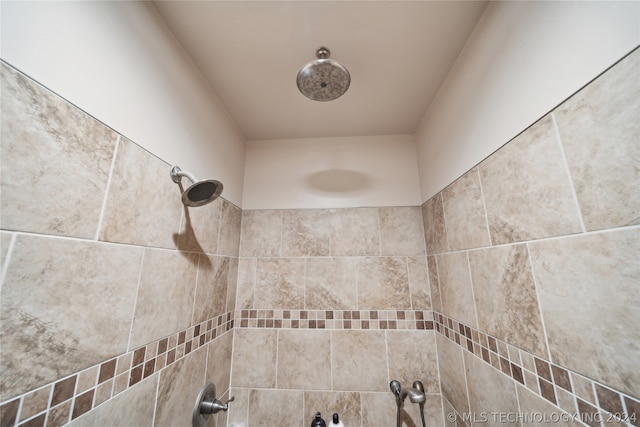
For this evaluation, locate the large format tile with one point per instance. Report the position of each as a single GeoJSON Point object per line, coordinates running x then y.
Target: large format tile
{"type": "Point", "coordinates": [304, 359]}
{"type": "Point", "coordinates": [526, 188]}
{"type": "Point", "coordinates": [165, 298]}
{"type": "Point", "coordinates": [211, 287]}
{"type": "Point", "coordinates": [180, 385]}
{"type": "Point", "coordinates": [419, 283]}
{"type": "Point", "coordinates": [359, 360]}
{"type": "Point", "coordinates": [383, 283]}
{"type": "Point", "coordinates": [435, 230]}
{"type": "Point", "coordinates": [134, 407]}
{"type": "Point", "coordinates": [505, 296]}
{"type": "Point", "coordinates": [143, 204]}
{"type": "Point", "coordinates": [230, 228]}
{"type": "Point", "coordinates": [305, 233]}
{"type": "Point", "coordinates": [378, 409]}
{"type": "Point", "coordinates": [55, 161]}
{"type": "Point", "coordinates": [501, 399]}
{"type": "Point", "coordinates": [355, 232]}
{"type": "Point", "coordinates": [434, 284]}
{"type": "Point", "coordinates": [261, 234]}
{"type": "Point", "coordinates": [232, 286]}
{"type": "Point", "coordinates": [401, 231]}
{"type": "Point", "coordinates": [66, 305]}
{"type": "Point", "coordinates": [279, 283]}
{"type": "Point", "coordinates": [589, 295]}
{"type": "Point", "coordinates": [246, 283]}
{"type": "Point", "coordinates": [219, 358]}
{"type": "Point", "coordinates": [276, 408]}
{"type": "Point", "coordinates": [600, 130]}
{"type": "Point", "coordinates": [452, 373]}
{"type": "Point", "coordinates": [456, 293]}
{"type": "Point", "coordinates": [200, 228]}
{"type": "Point", "coordinates": [5, 241]}
{"type": "Point", "coordinates": [412, 356]}
{"type": "Point", "coordinates": [254, 358]}
{"type": "Point", "coordinates": [541, 412]}
{"type": "Point", "coordinates": [331, 283]}
{"type": "Point", "coordinates": [464, 213]}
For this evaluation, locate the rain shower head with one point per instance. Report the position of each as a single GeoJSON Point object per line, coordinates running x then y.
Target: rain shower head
{"type": "Point", "coordinates": [323, 79]}
{"type": "Point", "coordinates": [199, 193]}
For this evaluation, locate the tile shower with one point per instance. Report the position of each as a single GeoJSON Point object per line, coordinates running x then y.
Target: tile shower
{"type": "Point", "coordinates": [514, 290]}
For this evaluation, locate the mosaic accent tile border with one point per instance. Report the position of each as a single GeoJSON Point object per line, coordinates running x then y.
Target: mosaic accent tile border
{"type": "Point", "coordinates": [595, 403]}
{"type": "Point", "coordinates": [336, 319]}
{"type": "Point", "coordinates": [58, 403]}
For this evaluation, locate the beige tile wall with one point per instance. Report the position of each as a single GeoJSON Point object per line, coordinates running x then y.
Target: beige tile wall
{"type": "Point", "coordinates": [332, 305]}
{"type": "Point", "coordinates": [117, 301]}
{"type": "Point", "coordinates": [534, 271]}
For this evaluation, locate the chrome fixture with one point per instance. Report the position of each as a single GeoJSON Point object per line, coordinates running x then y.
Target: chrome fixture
{"type": "Point", "coordinates": [199, 192]}
{"type": "Point", "coordinates": [207, 404]}
{"type": "Point", "coordinates": [323, 79]}
{"type": "Point", "coordinates": [415, 393]}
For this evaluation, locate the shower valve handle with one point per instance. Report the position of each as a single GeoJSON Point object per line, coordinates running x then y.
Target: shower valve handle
{"type": "Point", "coordinates": [213, 405]}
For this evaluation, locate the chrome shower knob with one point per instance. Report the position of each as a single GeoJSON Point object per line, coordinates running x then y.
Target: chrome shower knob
{"type": "Point", "coordinates": [207, 404]}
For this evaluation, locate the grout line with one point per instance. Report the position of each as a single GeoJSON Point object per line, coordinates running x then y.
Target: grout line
{"type": "Point", "coordinates": [444, 220]}
{"type": "Point", "coordinates": [7, 259]}
{"type": "Point", "coordinates": [473, 296]}
{"type": "Point", "coordinates": [568, 172]}
{"type": "Point", "coordinates": [406, 266]}
{"type": "Point", "coordinates": [484, 206]}
{"type": "Point", "coordinates": [135, 302]}
{"type": "Point", "coordinates": [536, 286]}
{"type": "Point", "coordinates": [107, 189]}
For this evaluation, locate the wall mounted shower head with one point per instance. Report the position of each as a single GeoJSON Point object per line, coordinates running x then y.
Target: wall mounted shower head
{"type": "Point", "coordinates": [323, 79]}
{"type": "Point", "coordinates": [199, 193]}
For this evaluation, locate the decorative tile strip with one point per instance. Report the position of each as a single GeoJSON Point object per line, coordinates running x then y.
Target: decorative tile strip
{"type": "Point", "coordinates": [590, 401]}
{"type": "Point", "coordinates": [335, 319]}
{"type": "Point", "coordinates": [57, 403]}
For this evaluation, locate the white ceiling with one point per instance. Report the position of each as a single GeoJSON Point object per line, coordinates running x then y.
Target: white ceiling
{"type": "Point", "coordinates": [397, 52]}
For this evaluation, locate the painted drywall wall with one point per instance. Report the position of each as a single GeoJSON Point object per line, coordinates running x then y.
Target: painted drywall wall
{"type": "Point", "coordinates": [522, 60]}
{"type": "Point", "coordinates": [331, 173]}
{"type": "Point", "coordinates": [118, 62]}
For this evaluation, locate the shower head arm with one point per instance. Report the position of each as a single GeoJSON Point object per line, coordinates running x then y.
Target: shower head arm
{"type": "Point", "coordinates": [177, 174]}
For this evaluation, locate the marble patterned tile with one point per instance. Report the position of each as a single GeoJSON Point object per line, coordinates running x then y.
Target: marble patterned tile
{"type": "Point", "coordinates": [179, 386]}
{"type": "Point", "coordinates": [305, 232]}
{"type": "Point", "coordinates": [250, 367]}
{"type": "Point", "coordinates": [279, 283]}
{"type": "Point", "coordinates": [401, 231]}
{"type": "Point", "coordinates": [452, 373]}
{"type": "Point", "coordinates": [143, 204]}
{"type": "Point", "coordinates": [304, 359]}
{"type": "Point", "coordinates": [230, 228]}
{"type": "Point", "coordinates": [66, 305]}
{"type": "Point", "coordinates": [359, 360]}
{"type": "Point", "coordinates": [464, 213]}
{"type": "Point", "coordinates": [419, 283]}
{"type": "Point", "coordinates": [200, 228]}
{"type": "Point", "coordinates": [5, 241]}
{"type": "Point", "coordinates": [434, 284]}
{"type": "Point", "coordinates": [48, 143]}
{"type": "Point", "coordinates": [246, 283]}
{"type": "Point", "coordinates": [331, 283]}
{"type": "Point", "coordinates": [412, 356]}
{"type": "Point", "coordinates": [165, 295]}
{"type": "Point", "coordinates": [505, 297]}
{"type": "Point", "coordinates": [383, 283]}
{"type": "Point", "coordinates": [589, 295]}
{"type": "Point", "coordinates": [600, 130]}
{"type": "Point", "coordinates": [261, 234]}
{"type": "Point", "coordinates": [456, 293]}
{"type": "Point", "coordinates": [276, 408]}
{"type": "Point", "coordinates": [355, 232]}
{"type": "Point", "coordinates": [379, 409]}
{"type": "Point", "coordinates": [239, 409]}
{"type": "Point", "coordinates": [345, 403]}
{"type": "Point", "coordinates": [435, 229]}
{"type": "Point", "coordinates": [502, 398]}
{"type": "Point", "coordinates": [134, 407]}
{"type": "Point", "coordinates": [211, 288]}
{"type": "Point", "coordinates": [526, 188]}
{"type": "Point", "coordinates": [219, 358]}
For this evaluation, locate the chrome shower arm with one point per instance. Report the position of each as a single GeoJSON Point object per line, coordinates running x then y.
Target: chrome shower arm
{"type": "Point", "coordinates": [177, 174]}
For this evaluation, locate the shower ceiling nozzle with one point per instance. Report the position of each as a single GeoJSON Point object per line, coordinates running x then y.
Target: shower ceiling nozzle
{"type": "Point", "coordinates": [199, 193]}
{"type": "Point", "coordinates": [323, 79]}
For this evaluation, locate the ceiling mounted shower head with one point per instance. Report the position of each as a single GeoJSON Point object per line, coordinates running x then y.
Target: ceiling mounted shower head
{"type": "Point", "coordinates": [199, 193]}
{"type": "Point", "coordinates": [323, 79]}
